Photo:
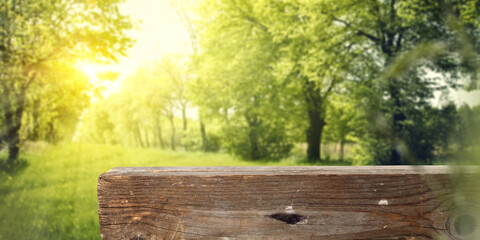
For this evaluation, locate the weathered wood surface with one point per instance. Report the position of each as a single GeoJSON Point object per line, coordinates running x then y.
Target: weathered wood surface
{"type": "Point", "coordinates": [276, 203]}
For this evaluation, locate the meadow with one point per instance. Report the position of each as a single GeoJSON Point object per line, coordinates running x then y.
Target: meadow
{"type": "Point", "coordinates": [52, 194]}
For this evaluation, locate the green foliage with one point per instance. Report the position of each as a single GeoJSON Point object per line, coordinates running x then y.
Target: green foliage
{"type": "Point", "coordinates": [427, 130]}
{"type": "Point", "coordinates": [362, 155]}
{"type": "Point", "coordinates": [56, 103]}
{"type": "Point", "coordinates": [192, 141]}
{"type": "Point", "coordinates": [271, 64]}
{"type": "Point", "coordinates": [345, 121]}
{"type": "Point", "coordinates": [400, 45]}
{"type": "Point", "coordinates": [97, 125]}
{"type": "Point", "coordinates": [297, 54]}
{"type": "Point", "coordinates": [258, 142]}
{"type": "Point", "coordinates": [36, 36]}
{"type": "Point", "coordinates": [145, 112]}
{"type": "Point", "coordinates": [213, 144]}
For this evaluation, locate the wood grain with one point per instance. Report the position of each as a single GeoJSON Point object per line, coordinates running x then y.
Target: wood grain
{"type": "Point", "coordinates": [276, 203]}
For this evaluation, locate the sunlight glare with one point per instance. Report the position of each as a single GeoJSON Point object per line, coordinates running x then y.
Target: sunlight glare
{"type": "Point", "coordinates": [92, 71]}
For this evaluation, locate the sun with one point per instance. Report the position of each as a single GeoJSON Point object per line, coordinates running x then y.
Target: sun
{"type": "Point", "coordinates": [90, 70]}
{"type": "Point", "coordinates": [101, 76]}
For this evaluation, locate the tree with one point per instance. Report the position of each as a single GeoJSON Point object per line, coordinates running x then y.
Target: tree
{"type": "Point", "coordinates": [174, 69]}
{"type": "Point", "coordinates": [237, 85]}
{"type": "Point", "coordinates": [317, 57]}
{"type": "Point", "coordinates": [97, 124]}
{"type": "Point", "coordinates": [168, 77]}
{"type": "Point", "coordinates": [344, 121]}
{"type": "Point", "coordinates": [55, 103]}
{"type": "Point", "coordinates": [240, 94]}
{"type": "Point", "coordinates": [295, 46]}
{"type": "Point", "coordinates": [184, 13]}
{"type": "Point", "coordinates": [149, 98]}
{"type": "Point", "coordinates": [404, 37]}
{"type": "Point", "coordinates": [35, 32]}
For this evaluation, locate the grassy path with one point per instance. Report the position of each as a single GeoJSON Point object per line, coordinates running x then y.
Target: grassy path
{"type": "Point", "coordinates": [54, 196]}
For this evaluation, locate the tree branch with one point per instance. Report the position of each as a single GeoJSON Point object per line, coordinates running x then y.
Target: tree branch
{"type": "Point", "coordinates": [399, 41]}
{"type": "Point", "coordinates": [256, 23]}
{"type": "Point", "coordinates": [251, 19]}
{"type": "Point", "coordinates": [359, 32]}
{"type": "Point", "coordinates": [330, 88]}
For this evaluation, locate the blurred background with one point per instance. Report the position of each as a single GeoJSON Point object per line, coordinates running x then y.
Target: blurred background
{"type": "Point", "coordinates": [87, 85]}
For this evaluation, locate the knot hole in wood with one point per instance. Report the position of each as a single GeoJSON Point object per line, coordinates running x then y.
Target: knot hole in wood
{"type": "Point", "coordinates": [290, 218]}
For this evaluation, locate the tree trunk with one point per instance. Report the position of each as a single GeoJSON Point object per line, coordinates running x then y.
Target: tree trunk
{"type": "Point", "coordinates": [159, 132]}
{"type": "Point", "coordinates": [203, 133]}
{"type": "Point", "coordinates": [184, 119]}
{"type": "Point", "coordinates": [35, 120]}
{"type": "Point", "coordinates": [342, 144]}
{"type": "Point", "coordinates": [184, 116]}
{"type": "Point", "coordinates": [398, 118]}
{"type": "Point", "coordinates": [397, 115]}
{"type": "Point", "coordinates": [172, 123]}
{"type": "Point", "coordinates": [138, 135]}
{"type": "Point", "coordinates": [51, 132]}
{"type": "Point", "coordinates": [316, 120]}
{"type": "Point", "coordinates": [13, 119]}
{"type": "Point", "coordinates": [314, 136]}
{"type": "Point", "coordinates": [255, 151]}
{"type": "Point", "coordinates": [13, 136]}
{"type": "Point", "coordinates": [253, 123]}
{"type": "Point", "coordinates": [160, 137]}
{"type": "Point", "coordinates": [147, 141]}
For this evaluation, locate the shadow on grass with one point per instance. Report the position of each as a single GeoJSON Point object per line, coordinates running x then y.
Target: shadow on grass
{"type": "Point", "coordinates": [12, 169]}
{"type": "Point", "coordinates": [8, 172]}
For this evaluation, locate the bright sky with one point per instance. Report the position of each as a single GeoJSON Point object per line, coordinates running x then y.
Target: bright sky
{"type": "Point", "coordinates": [159, 31]}
{"type": "Point", "coordinates": [462, 96]}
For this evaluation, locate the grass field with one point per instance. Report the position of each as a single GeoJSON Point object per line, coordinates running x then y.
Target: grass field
{"type": "Point", "coordinates": [54, 195]}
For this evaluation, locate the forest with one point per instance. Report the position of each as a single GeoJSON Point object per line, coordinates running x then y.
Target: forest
{"type": "Point", "coordinates": [366, 82]}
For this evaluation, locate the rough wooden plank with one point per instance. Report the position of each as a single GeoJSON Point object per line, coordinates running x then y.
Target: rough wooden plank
{"type": "Point", "coordinates": [276, 203]}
